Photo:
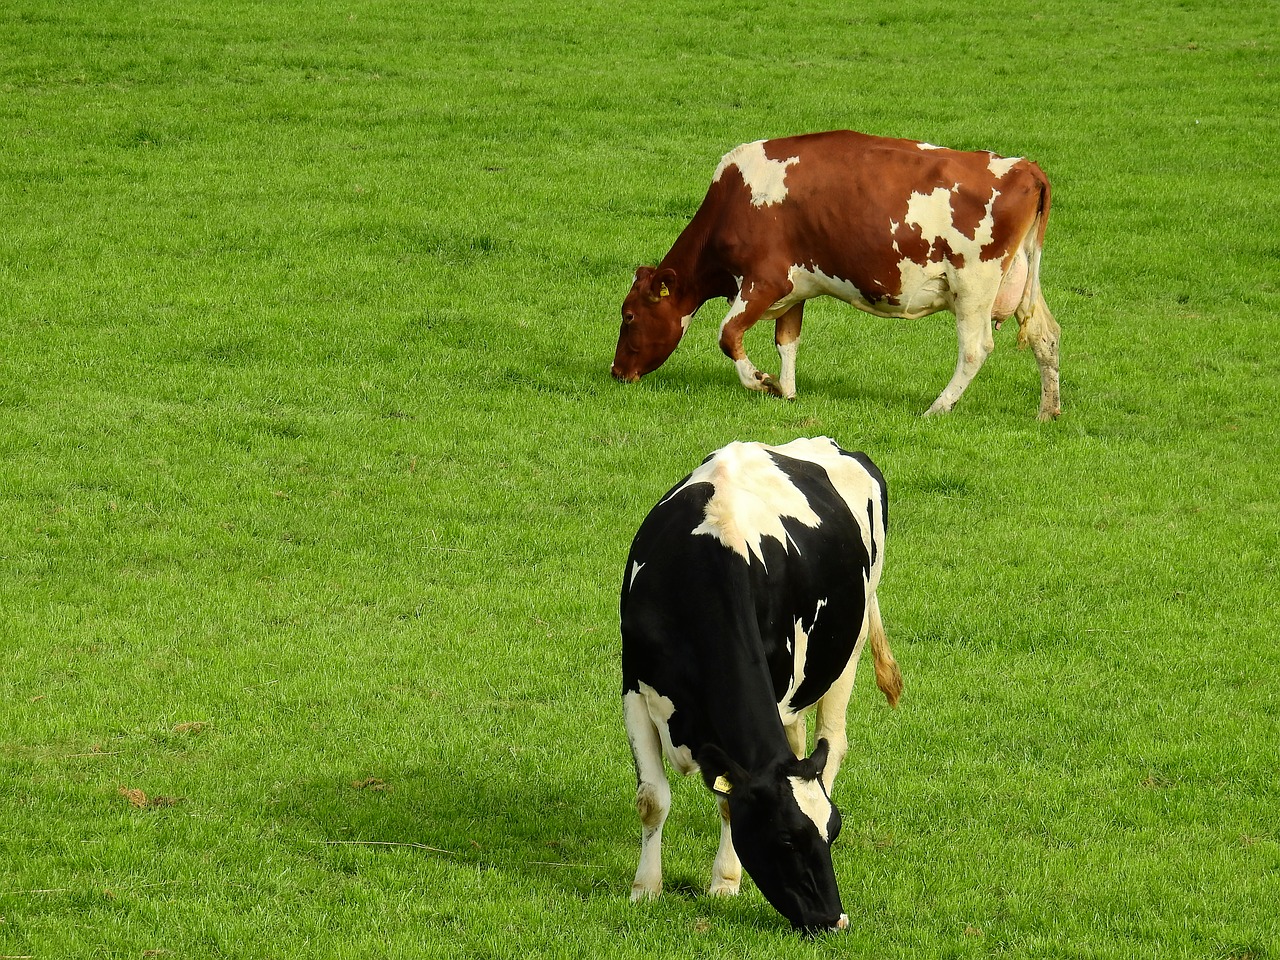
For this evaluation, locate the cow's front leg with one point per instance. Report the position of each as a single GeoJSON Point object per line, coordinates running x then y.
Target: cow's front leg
{"type": "Point", "coordinates": [742, 317]}
{"type": "Point", "coordinates": [653, 794]}
{"type": "Point", "coordinates": [973, 333]}
{"type": "Point", "coordinates": [787, 338]}
{"type": "Point", "coordinates": [726, 873]}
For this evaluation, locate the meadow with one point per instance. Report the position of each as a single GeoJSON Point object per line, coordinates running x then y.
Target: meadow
{"type": "Point", "coordinates": [315, 492]}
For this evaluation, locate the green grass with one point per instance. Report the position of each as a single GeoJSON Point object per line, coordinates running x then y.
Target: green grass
{"type": "Point", "coordinates": [315, 493]}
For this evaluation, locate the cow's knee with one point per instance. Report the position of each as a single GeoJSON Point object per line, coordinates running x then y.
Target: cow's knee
{"type": "Point", "coordinates": [653, 802]}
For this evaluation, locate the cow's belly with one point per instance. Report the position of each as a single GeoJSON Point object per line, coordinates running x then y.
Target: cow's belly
{"type": "Point", "coordinates": [924, 290]}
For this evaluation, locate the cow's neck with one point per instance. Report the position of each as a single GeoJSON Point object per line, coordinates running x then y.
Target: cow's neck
{"type": "Point", "coordinates": [742, 713]}
{"type": "Point", "coordinates": [698, 264]}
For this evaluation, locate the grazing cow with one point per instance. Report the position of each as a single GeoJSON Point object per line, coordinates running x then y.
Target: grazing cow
{"type": "Point", "coordinates": [749, 593]}
{"type": "Point", "coordinates": [895, 227]}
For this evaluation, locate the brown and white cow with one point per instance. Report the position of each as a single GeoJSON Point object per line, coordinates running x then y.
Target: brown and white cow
{"type": "Point", "coordinates": [895, 227]}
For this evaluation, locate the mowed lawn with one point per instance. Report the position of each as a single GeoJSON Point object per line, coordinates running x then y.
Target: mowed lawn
{"type": "Point", "coordinates": [315, 491]}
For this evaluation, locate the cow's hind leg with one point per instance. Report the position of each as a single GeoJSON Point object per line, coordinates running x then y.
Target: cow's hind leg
{"type": "Point", "coordinates": [1043, 333]}
{"type": "Point", "coordinates": [653, 794]}
{"type": "Point", "coordinates": [834, 705]}
{"type": "Point", "coordinates": [973, 333]}
{"type": "Point", "coordinates": [832, 711]}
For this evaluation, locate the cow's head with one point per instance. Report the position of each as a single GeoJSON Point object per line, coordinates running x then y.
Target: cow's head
{"type": "Point", "coordinates": [783, 825]}
{"type": "Point", "coordinates": [653, 322]}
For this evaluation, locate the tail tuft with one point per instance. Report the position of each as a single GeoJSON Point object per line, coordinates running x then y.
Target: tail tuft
{"type": "Point", "coordinates": [888, 676]}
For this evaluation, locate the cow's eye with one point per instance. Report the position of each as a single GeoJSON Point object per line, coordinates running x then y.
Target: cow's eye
{"type": "Point", "coordinates": [628, 318]}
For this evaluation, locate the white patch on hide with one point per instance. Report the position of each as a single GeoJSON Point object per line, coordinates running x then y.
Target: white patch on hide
{"type": "Point", "coordinates": [736, 310]}
{"type": "Point", "coordinates": [764, 177]}
{"type": "Point", "coordinates": [999, 166]}
{"type": "Point", "coordinates": [752, 497]}
{"type": "Point", "coordinates": [813, 803]}
{"type": "Point", "coordinates": [923, 291]}
{"type": "Point", "coordinates": [661, 709]}
{"type": "Point", "coordinates": [931, 212]}
{"type": "Point", "coordinates": [798, 646]}
{"type": "Point", "coordinates": [635, 568]}
{"type": "Point", "coordinates": [926, 287]}
{"type": "Point", "coordinates": [851, 481]}
{"type": "Point", "coordinates": [929, 146]}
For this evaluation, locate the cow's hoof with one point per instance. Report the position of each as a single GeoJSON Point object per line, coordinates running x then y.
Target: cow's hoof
{"type": "Point", "coordinates": [639, 892]}
{"type": "Point", "coordinates": [770, 385]}
{"type": "Point", "coordinates": [1046, 415]}
{"type": "Point", "coordinates": [725, 887]}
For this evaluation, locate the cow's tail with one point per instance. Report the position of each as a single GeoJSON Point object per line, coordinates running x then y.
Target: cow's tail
{"type": "Point", "coordinates": [1035, 323]}
{"type": "Point", "coordinates": [888, 676]}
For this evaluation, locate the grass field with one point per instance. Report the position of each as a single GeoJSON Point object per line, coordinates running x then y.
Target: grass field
{"type": "Point", "coordinates": [315, 492]}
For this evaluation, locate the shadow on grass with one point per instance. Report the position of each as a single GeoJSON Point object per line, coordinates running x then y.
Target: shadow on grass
{"type": "Point", "coordinates": [695, 383]}
{"type": "Point", "coordinates": [574, 839]}
{"type": "Point", "coordinates": [486, 817]}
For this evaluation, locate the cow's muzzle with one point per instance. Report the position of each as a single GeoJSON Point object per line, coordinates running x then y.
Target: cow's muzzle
{"type": "Point", "coordinates": [840, 923]}
{"type": "Point", "coordinates": [616, 372]}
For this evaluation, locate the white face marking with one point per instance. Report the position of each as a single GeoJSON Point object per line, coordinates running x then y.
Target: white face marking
{"type": "Point", "coordinates": [999, 166]}
{"type": "Point", "coordinates": [813, 803]}
{"type": "Point", "coordinates": [752, 496]}
{"type": "Point", "coordinates": [764, 177]}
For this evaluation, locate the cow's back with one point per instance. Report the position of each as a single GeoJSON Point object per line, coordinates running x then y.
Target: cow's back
{"type": "Point", "coordinates": [757, 547]}
{"type": "Point", "coordinates": [852, 215]}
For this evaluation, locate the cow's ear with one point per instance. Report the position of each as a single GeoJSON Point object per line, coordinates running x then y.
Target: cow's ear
{"type": "Point", "coordinates": [719, 772]}
{"type": "Point", "coordinates": [811, 768]}
{"type": "Point", "coordinates": [661, 284]}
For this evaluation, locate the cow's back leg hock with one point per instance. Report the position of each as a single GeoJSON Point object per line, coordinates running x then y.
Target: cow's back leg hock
{"type": "Point", "coordinates": [975, 342]}
{"type": "Point", "coordinates": [726, 872]}
{"type": "Point", "coordinates": [1043, 332]}
{"type": "Point", "coordinates": [653, 794]}
{"type": "Point", "coordinates": [787, 338]}
{"type": "Point", "coordinates": [742, 316]}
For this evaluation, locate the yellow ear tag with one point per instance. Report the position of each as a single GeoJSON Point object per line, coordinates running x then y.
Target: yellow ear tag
{"type": "Point", "coordinates": [663, 291]}
{"type": "Point", "coordinates": [722, 785]}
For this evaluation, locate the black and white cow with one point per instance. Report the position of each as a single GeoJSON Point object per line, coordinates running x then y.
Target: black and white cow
{"type": "Point", "coordinates": [749, 594]}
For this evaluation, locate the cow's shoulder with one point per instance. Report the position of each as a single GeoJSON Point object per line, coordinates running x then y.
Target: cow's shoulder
{"type": "Point", "coordinates": [851, 473]}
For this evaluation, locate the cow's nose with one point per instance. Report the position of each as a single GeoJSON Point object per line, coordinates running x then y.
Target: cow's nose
{"type": "Point", "coordinates": [617, 374]}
